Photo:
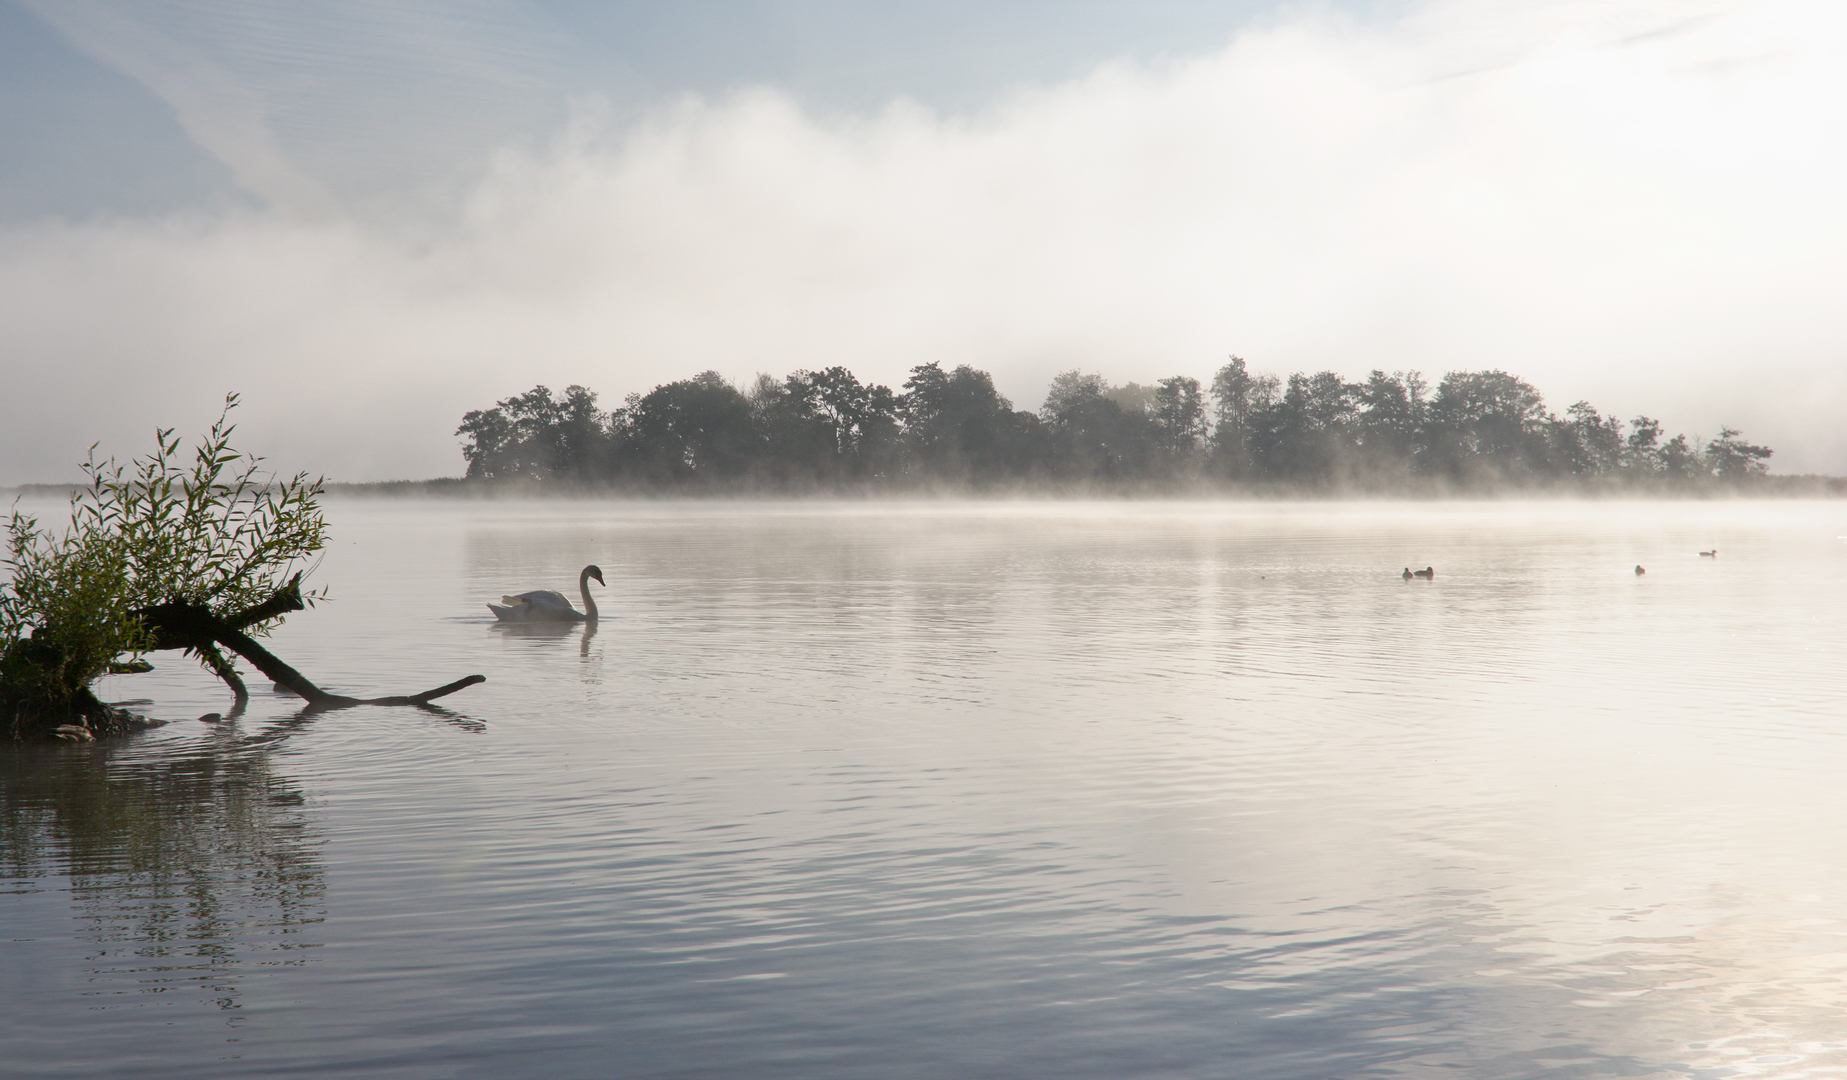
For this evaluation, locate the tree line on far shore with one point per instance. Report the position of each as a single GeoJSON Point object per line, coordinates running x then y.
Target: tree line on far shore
{"type": "Point", "coordinates": [1474, 431]}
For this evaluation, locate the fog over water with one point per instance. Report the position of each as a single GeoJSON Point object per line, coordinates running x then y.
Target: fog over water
{"type": "Point", "coordinates": [998, 789]}
{"type": "Point", "coordinates": [418, 214]}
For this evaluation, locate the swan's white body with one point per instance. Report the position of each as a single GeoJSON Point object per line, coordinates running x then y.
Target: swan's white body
{"type": "Point", "coordinates": [544, 605]}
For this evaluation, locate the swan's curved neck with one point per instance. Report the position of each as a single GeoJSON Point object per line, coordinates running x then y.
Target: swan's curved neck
{"type": "Point", "coordinates": [583, 586]}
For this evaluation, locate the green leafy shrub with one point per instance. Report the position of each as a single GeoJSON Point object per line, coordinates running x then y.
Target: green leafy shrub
{"type": "Point", "coordinates": [64, 618]}
{"type": "Point", "coordinates": [217, 531]}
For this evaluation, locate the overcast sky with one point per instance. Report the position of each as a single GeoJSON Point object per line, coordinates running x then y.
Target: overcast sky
{"type": "Point", "coordinates": [371, 218]}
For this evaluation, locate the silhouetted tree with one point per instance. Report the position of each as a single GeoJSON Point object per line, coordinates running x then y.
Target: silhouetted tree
{"type": "Point", "coordinates": [1067, 389]}
{"type": "Point", "coordinates": [1642, 449]}
{"type": "Point", "coordinates": [1238, 397]}
{"type": "Point", "coordinates": [1679, 461]}
{"type": "Point", "coordinates": [1487, 427]}
{"type": "Point", "coordinates": [1392, 414]}
{"type": "Point", "coordinates": [1094, 436]}
{"type": "Point", "coordinates": [1729, 457]}
{"type": "Point", "coordinates": [826, 427]}
{"type": "Point", "coordinates": [1587, 445]}
{"type": "Point", "coordinates": [489, 441]}
{"type": "Point", "coordinates": [1179, 416]}
{"type": "Point", "coordinates": [1132, 397]}
{"type": "Point", "coordinates": [699, 429]}
{"type": "Point", "coordinates": [958, 428]}
{"type": "Point", "coordinates": [581, 444]}
{"type": "Point", "coordinates": [536, 436]}
{"type": "Point", "coordinates": [1307, 435]}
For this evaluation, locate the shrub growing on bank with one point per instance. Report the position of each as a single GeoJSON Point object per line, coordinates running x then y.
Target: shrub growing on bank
{"type": "Point", "coordinates": [215, 531]}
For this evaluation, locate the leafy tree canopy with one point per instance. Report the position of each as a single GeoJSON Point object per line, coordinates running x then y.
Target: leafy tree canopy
{"type": "Point", "coordinates": [1389, 432]}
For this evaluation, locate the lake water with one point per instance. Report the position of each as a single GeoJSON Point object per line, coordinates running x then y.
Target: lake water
{"type": "Point", "coordinates": [978, 790]}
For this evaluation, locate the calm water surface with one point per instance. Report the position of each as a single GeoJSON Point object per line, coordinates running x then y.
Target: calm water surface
{"type": "Point", "coordinates": [978, 790]}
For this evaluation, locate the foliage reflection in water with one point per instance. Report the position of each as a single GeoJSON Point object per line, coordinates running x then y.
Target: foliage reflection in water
{"type": "Point", "coordinates": [187, 870]}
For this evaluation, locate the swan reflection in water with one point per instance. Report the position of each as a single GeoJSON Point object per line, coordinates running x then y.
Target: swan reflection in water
{"type": "Point", "coordinates": [551, 631]}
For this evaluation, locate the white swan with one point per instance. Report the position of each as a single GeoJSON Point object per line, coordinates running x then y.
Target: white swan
{"type": "Point", "coordinates": [543, 605]}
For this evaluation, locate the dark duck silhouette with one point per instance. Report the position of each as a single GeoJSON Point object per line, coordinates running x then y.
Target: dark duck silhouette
{"type": "Point", "coordinates": [1427, 572]}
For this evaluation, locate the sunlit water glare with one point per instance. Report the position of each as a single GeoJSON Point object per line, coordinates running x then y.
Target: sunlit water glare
{"type": "Point", "coordinates": [978, 790]}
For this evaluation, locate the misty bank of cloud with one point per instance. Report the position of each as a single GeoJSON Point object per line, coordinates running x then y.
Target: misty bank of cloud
{"type": "Point", "coordinates": [1648, 221]}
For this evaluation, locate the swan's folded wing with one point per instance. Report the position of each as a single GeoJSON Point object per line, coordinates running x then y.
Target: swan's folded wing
{"type": "Point", "coordinates": [541, 598]}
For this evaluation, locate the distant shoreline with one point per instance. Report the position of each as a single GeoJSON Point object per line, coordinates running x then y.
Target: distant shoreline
{"type": "Point", "coordinates": [1766, 487]}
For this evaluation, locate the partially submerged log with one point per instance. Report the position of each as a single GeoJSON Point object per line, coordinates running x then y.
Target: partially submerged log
{"type": "Point", "coordinates": [62, 618]}
{"type": "Point", "coordinates": [79, 715]}
{"type": "Point", "coordinates": [179, 625]}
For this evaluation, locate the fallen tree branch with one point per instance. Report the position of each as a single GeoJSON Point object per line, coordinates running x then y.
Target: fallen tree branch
{"type": "Point", "coordinates": [177, 625]}
{"type": "Point", "coordinates": [222, 668]}
{"type": "Point", "coordinates": [283, 601]}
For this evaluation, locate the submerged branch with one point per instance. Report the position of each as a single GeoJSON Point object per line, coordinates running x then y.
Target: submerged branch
{"type": "Point", "coordinates": [222, 668]}
{"type": "Point", "coordinates": [178, 625]}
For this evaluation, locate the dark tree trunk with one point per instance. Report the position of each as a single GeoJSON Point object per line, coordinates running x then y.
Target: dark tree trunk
{"type": "Point", "coordinates": [179, 625]}
{"type": "Point", "coordinates": [176, 625]}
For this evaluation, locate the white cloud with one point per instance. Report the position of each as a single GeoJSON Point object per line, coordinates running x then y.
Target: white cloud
{"type": "Point", "coordinates": [1635, 203]}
